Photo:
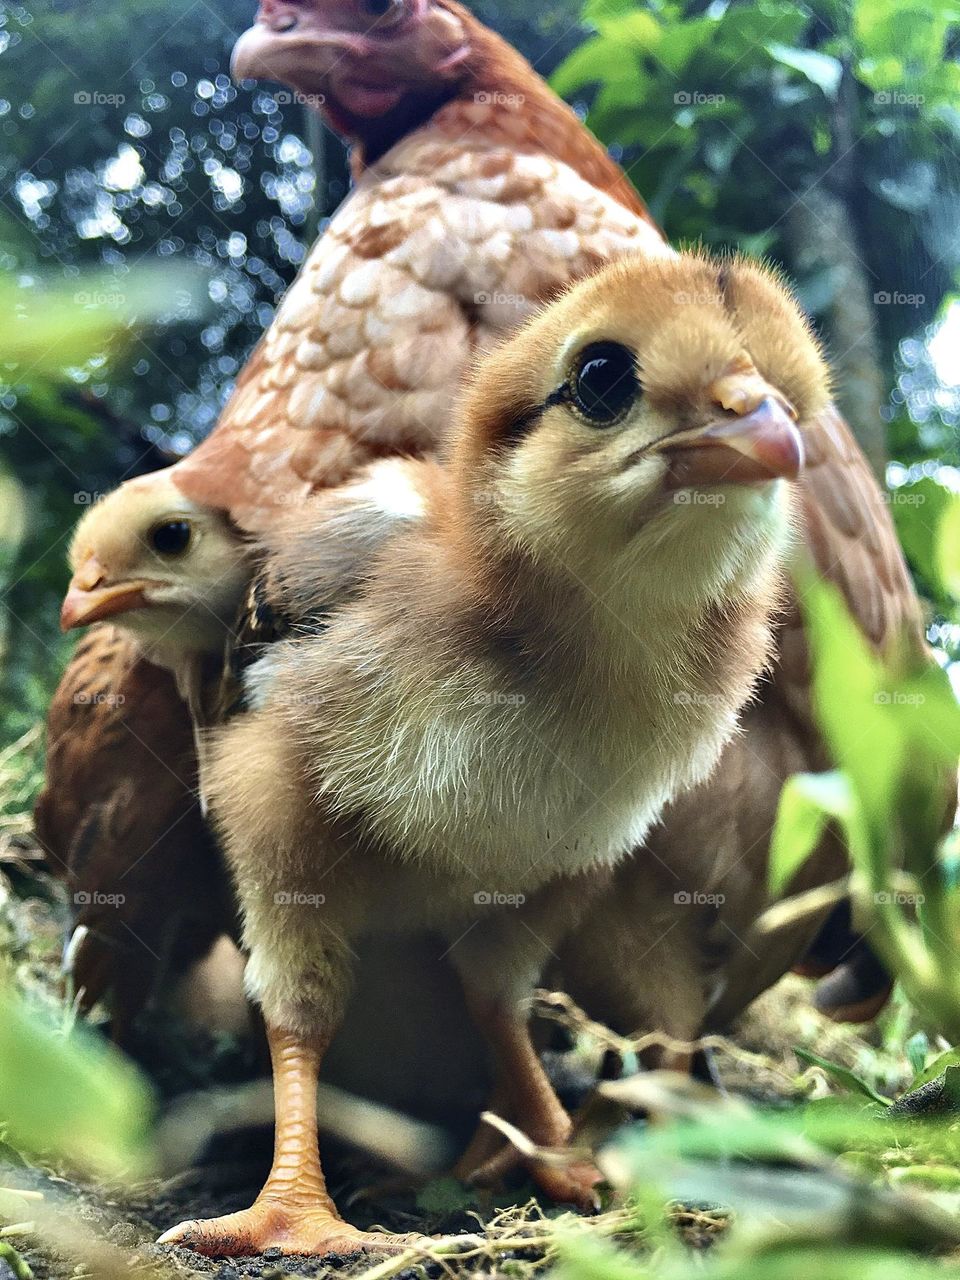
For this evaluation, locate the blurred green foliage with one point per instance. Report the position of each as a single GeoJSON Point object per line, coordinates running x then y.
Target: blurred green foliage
{"type": "Point", "coordinates": [72, 1097]}
{"type": "Point", "coordinates": [745, 124]}
{"type": "Point", "coordinates": [893, 730]}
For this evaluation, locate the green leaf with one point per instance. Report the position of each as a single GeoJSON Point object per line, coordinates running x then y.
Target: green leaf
{"type": "Point", "coordinates": [948, 547]}
{"type": "Point", "coordinates": [588, 64]}
{"type": "Point", "coordinates": [50, 327]}
{"type": "Point", "coordinates": [918, 511]}
{"type": "Point", "coordinates": [941, 1177]}
{"type": "Point", "coordinates": [907, 32]}
{"type": "Point", "coordinates": [843, 1076]}
{"type": "Point", "coordinates": [596, 13]}
{"type": "Point", "coordinates": [917, 1048]}
{"type": "Point", "coordinates": [74, 1096]}
{"type": "Point", "coordinates": [852, 699]}
{"type": "Point", "coordinates": [808, 802]}
{"type": "Point", "coordinates": [18, 1268]}
{"type": "Point", "coordinates": [819, 68]}
{"type": "Point", "coordinates": [951, 1058]}
{"type": "Point", "coordinates": [588, 1257]}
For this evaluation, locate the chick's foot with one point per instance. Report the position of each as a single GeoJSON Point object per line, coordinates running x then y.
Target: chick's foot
{"type": "Point", "coordinates": [295, 1229]}
{"type": "Point", "coordinates": [574, 1184]}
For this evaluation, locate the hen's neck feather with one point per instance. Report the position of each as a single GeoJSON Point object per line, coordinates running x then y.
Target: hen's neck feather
{"type": "Point", "coordinates": [499, 98]}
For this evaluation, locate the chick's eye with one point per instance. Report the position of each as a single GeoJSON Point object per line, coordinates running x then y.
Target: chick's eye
{"type": "Point", "coordinates": [604, 383]}
{"type": "Point", "coordinates": [384, 12]}
{"type": "Point", "coordinates": [170, 538]}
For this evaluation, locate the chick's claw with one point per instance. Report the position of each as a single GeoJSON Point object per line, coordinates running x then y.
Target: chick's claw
{"type": "Point", "coordinates": [294, 1230]}
{"type": "Point", "coordinates": [574, 1184]}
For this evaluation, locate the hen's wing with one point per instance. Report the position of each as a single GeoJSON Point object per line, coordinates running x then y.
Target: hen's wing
{"type": "Point", "coordinates": [120, 823]}
{"type": "Point", "coordinates": [850, 537]}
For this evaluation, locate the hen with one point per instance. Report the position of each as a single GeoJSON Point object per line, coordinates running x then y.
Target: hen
{"type": "Point", "coordinates": [489, 703]}
{"type": "Point", "coordinates": [464, 217]}
{"type": "Point", "coordinates": [478, 193]}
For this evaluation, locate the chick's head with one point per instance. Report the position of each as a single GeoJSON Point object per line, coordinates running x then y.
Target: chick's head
{"type": "Point", "coordinates": [170, 572]}
{"type": "Point", "coordinates": [655, 410]}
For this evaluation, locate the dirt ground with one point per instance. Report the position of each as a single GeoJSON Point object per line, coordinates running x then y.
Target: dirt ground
{"type": "Point", "coordinates": [65, 1228]}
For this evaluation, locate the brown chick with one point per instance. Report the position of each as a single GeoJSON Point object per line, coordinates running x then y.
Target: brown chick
{"type": "Point", "coordinates": [119, 732]}
{"type": "Point", "coordinates": [486, 720]}
{"type": "Point", "coordinates": [170, 575]}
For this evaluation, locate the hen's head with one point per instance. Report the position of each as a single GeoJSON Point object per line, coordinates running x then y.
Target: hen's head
{"type": "Point", "coordinates": [654, 411]}
{"type": "Point", "coordinates": [359, 61]}
{"type": "Point", "coordinates": [166, 570]}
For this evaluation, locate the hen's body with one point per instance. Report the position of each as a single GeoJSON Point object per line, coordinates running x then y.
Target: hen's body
{"type": "Point", "coordinates": [444, 246]}
{"type": "Point", "coordinates": [450, 239]}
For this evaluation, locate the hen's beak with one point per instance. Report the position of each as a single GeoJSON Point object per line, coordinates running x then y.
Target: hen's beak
{"type": "Point", "coordinates": [761, 443]}
{"type": "Point", "coordinates": [90, 599]}
{"type": "Point", "coordinates": [289, 42]}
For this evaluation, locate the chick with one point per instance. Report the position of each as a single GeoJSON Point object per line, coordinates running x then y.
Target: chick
{"type": "Point", "coordinates": [164, 569]}
{"type": "Point", "coordinates": [467, 737]}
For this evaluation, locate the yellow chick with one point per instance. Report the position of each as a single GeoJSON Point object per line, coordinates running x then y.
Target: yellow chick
{"type": "Point", "coordinates": [463, 736]}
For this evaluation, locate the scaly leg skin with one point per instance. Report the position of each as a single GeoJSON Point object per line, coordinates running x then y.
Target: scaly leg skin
{"type": "Point", "coordinates": [534, 1107]}
{"type": "Point", "coordinates": [293, 1212]}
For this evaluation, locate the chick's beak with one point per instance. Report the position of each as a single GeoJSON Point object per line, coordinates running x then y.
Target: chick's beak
{"type": "Point", "coordinates": [760, 443]}
{"type": "Point", "coordinates": [90, 598]}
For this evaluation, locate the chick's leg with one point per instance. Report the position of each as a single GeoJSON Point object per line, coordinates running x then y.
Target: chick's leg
{"type": "Point", "coordinates": [293, 1212]}
{"type": "Point", "coordinates": [298, 970]}
{"type": "Point", "coordinates": [515, 945]}
{"type": "Point", "coordinates": [531, 1102]}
